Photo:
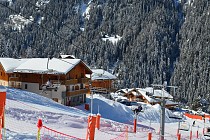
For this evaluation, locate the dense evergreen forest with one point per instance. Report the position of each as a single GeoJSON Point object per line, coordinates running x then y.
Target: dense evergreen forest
{"type": "Point", "coordinates": [161, 40]}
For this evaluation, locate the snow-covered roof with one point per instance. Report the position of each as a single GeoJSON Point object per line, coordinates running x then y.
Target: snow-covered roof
{"type": "Point", "coordinates": [144, 94]}
{"type": "Point", "coordinates": [100, 74]}
{"type": "Point", "coordinates": [135, 93]}
{"type": "Point", "coordinates": [9, 64]}
{"type": "Point", "coordinates": [67, 56]}
{"type": "Point", "coordinates": [128, 90]}
{"type": "Point", "coordinates": [55, 66]}
{"type": "Point", "coordinates": [169, 102]}
{"type": "Point", "coordinates": [158, 93]}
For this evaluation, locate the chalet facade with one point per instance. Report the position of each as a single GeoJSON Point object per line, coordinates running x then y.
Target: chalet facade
{"type": "Point", "coordinates": [153, 96]}
{"type": "Point", "coordinates": [147, 95]}
{"type": "Point", "coordinates": [102, 82]}
{"type": "Point", "coordinates": [67, 78]}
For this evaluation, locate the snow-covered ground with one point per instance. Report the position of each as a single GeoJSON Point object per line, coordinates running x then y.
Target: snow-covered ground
{"type": "Point", "coordinates": [23, 109]}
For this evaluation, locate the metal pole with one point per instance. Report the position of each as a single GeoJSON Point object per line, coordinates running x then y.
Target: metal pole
{"type": "Point", "coordinates": [162, 113]}
{"type": "Point", "coordinates": [150, 125]}
{"type": "Point", "coordinates": [178, 127]}
{"type": "Point", "coordinates": [91, 103]}
{"type": "Point", "coordinates": [162, 120]}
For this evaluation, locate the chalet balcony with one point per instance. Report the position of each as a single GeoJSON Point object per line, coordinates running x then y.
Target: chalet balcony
{"type": "Point", "coordinates": [83, 80]}
{"type": "Point", "coordinates": [71, 82]}
{"type": "Point", "coordinates": [76, 92]}
{"type": "Point", "coordinates": [14, 79]}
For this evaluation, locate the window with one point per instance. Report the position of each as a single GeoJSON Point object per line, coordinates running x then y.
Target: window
{"type": "Point", "coordinates": [26, 86]}
{"type": "Point", "coordinates": [18, 85]}
{"type": "Point", "coordinates": [81, 86]}
{"type": "Point", "coordinates": [67, 88]}
{"type": "Point", "coordinates": [72, 88]}
{"type": "Point", "coordinates": [12, 84]}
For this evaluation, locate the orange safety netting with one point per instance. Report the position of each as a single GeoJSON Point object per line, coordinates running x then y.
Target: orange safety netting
{"type": "Point", "coordinates": [206, 116]}
{"type": "Point", "coordinates": [193, 116]}
{"type": "Point", "coordinates": [122, 136]}
{"type": "Point", "coordinates": [50, 134]}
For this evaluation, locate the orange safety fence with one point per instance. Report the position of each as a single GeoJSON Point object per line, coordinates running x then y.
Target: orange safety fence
{"type": "Point", "coordinates": [50, 134]}
{"type": "Point", "coordinates": [122, 136]}
{"type": "Point", "coordinates": [206, 116]}
{"type": "Point", "coordinates": [193, 116]}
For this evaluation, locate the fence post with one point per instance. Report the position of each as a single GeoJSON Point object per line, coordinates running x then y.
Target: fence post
{"type": "Point", "coordinates": [179, 136]}
{"type": "Point", "coordinates": [149, 136]}
{"type": "Point", "coordinates": [197, 134]}
{"type": "Point", "coordinates": [190, 134]}
{"type": "Point", "coordinates": [134, 127]}
{"type": "Point", "coordinates": [98, 121]}
{"type": "Point", "coordinates": [2, 106]}
{"type": "Point", "coordinates": [126, 129]}
{"type": "Point", "coordinates": [177, 133]}
{"type": "Point", "coordinates": [39, 126]}
{"type": "Point", "coordinates": [91, 127]}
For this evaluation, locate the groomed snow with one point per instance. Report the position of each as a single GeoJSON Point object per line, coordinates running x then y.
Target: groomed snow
{"type": "Point", "coordinates": [23, 109]}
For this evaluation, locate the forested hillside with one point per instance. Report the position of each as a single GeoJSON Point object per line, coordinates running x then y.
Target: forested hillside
{"type": "Point", "coordinates": [155, 40]}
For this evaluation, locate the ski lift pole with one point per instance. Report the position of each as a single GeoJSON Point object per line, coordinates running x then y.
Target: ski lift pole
{"type": "Point", "coordinates": [178, 128]}
{"type": "Point", "coordinates": [91, 102]}
{"type": "Point", "coordinates": [162, 123]}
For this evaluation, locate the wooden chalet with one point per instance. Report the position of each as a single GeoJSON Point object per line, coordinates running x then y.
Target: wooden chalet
{"type": "Point", "coordinates": [102, 82]}
{"type": "Point", "coordinates": [67, 78]}
{"type": "Point", "coordinates": [147, 95]}
{"type": "Point", "coordinates": [131, 94]}
{"type": "Point", "coordinates": [7, 76]}
{"type": "Point", "coordinates": [153, 96]}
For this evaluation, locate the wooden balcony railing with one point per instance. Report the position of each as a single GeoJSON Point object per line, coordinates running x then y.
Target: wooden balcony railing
{"type": "Point", "coordinates": [14, 79]}
{"type": "Point", "coordinates": [15, 84]}
{"type": "Point", "coordinates": [71, 82]}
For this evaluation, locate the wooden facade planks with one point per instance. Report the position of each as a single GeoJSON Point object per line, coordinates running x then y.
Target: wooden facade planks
{"type": "Point", "coordinates": [102, 83]}
{"type": "Point", "coordinates": [3, 75]}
